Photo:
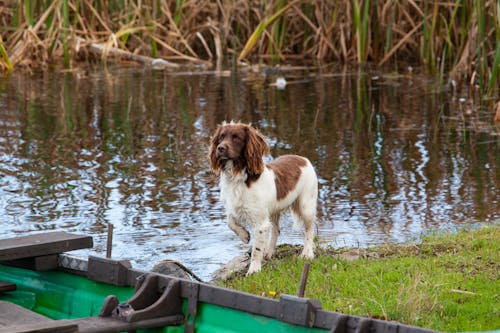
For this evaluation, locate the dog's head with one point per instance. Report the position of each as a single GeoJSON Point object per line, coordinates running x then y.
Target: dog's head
{"type": "Point", "coordinates": [239, 147]}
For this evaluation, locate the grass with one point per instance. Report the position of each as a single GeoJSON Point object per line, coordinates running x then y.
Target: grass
{"type": "Point", "coordinates": [448, 282]}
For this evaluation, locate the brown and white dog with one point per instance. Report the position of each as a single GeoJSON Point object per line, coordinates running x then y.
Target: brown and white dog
{"type": "Point", "coordinates": [254, 193]}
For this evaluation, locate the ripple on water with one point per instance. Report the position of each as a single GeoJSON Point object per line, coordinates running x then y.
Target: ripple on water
{"type": "Point", "coordinates": [126, 147]}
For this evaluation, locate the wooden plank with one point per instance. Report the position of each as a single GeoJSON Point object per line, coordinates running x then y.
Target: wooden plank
{"type": "Point", "coordinates": [16, 319]}
{"type": "Point", "coordinates": [12, 314]}
{"type": "Point", "coordinates": [42, 244]}
{"type": "Point", "coordinates": [7, 286]}
{"type": "Point", "coordinates": [110, 324]}
{"type": "Point", "coordinates": [56, 326]}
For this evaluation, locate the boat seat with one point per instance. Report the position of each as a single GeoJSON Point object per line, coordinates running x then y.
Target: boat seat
{"type": "Point", "coordinates": [16, 319]}
{"type": "Point", "coordinates": [40, 251]}
{"type": "Point", "coordinates": [111, 325]}
{"type": "Point", "coordinates": [55, 326]}
{"type": "Point", "coordinates": [42, 244]}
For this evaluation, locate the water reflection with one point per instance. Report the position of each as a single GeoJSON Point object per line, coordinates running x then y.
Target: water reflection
{"type": "Point", "coordinates": [128, 146]}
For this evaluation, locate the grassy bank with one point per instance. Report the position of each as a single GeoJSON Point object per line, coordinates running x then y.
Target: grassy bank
{"type": "Point", "coordinates": [459, 37]}
{"type": "Point", "coordinates": [449, 282]}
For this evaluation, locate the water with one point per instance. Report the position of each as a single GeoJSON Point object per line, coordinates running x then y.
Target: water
{"type": "Point", "coordinates": [396, 157]}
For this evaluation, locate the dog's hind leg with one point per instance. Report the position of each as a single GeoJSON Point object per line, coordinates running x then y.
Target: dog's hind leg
{"type": "Point", "coordinates": [310, 232]}
{"type": "Point", "coordinates": [304, 211]}
{"type": "Point", "coordinates": [275, 232]}
{"type": "Point", "coordinates": [238, 229]}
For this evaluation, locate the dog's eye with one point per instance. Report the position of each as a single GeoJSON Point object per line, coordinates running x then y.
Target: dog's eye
{"type": "Point", "coordinates": [235, 137]}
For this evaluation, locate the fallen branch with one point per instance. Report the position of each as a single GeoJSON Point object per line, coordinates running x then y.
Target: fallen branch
{"type": "Point", "coordinates": [104, 51]}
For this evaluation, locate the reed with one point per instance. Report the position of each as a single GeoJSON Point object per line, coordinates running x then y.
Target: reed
{"type": "Point", "coordinates": [5, 63]}
{"type": "Point", "coordinates": [279, 33]}
{"type": "Point", "coordinates": [65, 29]}
{"type": "Point", "coordinates": [361, 12]}
{"type": "Point", "coordinates": [494, 74]}
{"type": "Point", "coordinates": [448, 38]}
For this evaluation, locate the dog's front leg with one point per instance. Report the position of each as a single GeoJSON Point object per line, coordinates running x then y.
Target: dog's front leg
{"type": "Point", "coordinates": [261, 233]}
{"type": "Point", "coordinates": [238, 229]}
{"type": "Point", "coordinates": [275, 231]}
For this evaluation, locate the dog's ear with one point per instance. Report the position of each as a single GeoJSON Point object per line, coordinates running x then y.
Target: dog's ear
{"type": "Point", "coordinates": [214, 162]}
{"type": "Point", "coordinates": [256, 148]}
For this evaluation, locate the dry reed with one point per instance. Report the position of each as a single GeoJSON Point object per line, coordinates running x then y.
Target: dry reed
{"type": "Point", "coordinates": [458, 37]}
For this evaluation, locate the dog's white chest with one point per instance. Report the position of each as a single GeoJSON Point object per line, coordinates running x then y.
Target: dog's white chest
{"type": "Point", "coordinates": [240, 201]}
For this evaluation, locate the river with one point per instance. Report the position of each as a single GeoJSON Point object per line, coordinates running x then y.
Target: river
{"type": "Point", "coordinates": [398, 156]}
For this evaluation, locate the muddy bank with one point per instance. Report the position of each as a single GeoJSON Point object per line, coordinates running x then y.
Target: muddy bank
{"type": "Point", "coordinates": [239, 265]}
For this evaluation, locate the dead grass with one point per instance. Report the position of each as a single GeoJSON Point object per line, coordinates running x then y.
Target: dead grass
{"type": "Point", "coordinates": [458, 37]}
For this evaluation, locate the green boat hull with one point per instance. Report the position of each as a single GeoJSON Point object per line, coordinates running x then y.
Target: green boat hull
{"type": "Point", "coordinates": [40, 285]}
{"type": "Point", "coordinates": [60, 295]}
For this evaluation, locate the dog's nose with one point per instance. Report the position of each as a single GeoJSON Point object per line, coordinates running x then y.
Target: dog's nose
{"type": "Point", "coordinates": [222, 148]}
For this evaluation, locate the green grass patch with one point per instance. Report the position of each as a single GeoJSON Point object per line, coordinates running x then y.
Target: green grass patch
{"type": "Point", "coordinates": [448, 282]}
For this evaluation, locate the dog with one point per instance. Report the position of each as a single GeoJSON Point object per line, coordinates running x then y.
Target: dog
{"type": "Point", "coordinates": [255, 193]}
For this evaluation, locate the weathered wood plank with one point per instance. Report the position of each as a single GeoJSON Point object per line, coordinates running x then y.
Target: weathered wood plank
{"type": "Point", "coordinates": [16, 319]}
{"type": "Point", "coordinates": [13, 314]}
{"type": "Point", "coordinates": [109, 324]}
{"type": "Point", "coordinates": [55, 326]}
{"type": "Point", "coordinates": [42, 244]}
{"type": "Point", "coordinates": [7, 286]}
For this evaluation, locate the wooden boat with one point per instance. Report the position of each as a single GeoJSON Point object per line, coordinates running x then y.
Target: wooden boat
{"type": "Point", "coordinates": [44, 289]}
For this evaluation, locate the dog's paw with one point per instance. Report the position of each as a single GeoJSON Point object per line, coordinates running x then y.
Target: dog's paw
{"type": "Point", "coordinates": [268, 254]}
{"type": "Point", "coordinates": [245, 237]}
{"type": "Point", "coordinates": [254, 268]}
{"type": "Point", "coordinates": [307, 254]}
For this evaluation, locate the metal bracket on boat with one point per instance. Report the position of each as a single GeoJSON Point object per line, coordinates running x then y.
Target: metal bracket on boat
{"type": "Point", "coordinates": [298, 310]}
{"type": "Point", "coordinates": [148, 301]}
{"type": "Point", "coordinates": [192, 307]}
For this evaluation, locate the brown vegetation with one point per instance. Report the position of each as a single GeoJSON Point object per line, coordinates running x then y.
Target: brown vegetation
{"type": "Point", "coordinates": [458, 37]}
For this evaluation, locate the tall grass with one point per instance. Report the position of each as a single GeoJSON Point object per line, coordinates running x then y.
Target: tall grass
{"type": "Point", "coordinates": [459, 37]}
